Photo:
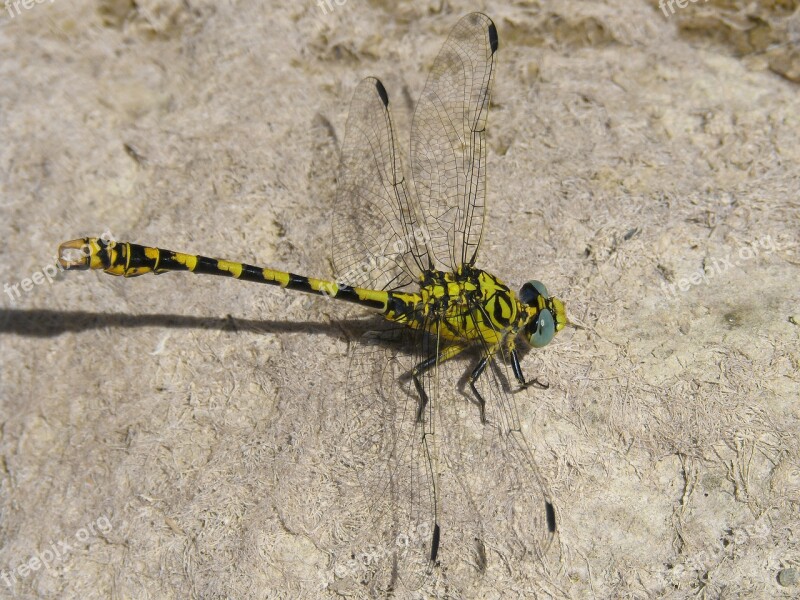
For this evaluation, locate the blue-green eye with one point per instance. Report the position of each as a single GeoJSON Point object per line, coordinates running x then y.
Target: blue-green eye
{"type": "Point", "coordinates": [545, 329]}
{"type": "Point", "coordinates": [532, 290]}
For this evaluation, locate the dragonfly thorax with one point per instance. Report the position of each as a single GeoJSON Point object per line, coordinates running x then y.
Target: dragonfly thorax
{"type": "Point", "coordinates": [469, 305]}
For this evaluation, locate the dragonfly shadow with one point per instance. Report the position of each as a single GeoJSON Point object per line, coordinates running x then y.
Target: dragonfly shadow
{"type": "Point", "coordinates": [51, 323]}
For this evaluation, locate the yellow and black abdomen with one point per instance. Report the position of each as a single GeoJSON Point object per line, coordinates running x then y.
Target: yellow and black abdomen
{"type": "Point", "coordinates": [131, 260]}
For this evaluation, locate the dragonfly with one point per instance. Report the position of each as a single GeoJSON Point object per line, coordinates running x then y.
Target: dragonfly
{"type": "Point", "coordinates": [409, 253]}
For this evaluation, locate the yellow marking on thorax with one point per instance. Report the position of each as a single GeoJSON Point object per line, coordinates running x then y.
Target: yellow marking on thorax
{"type": "Point", "coordinates": [477, 323]}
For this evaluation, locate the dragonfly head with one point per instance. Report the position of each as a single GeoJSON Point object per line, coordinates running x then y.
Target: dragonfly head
{"type": "Point", "coordinates": [545, 315]}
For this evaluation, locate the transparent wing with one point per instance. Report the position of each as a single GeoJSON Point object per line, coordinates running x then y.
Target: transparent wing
{"type": "Point", "coordinates": [376, 241]}
{"type": "Point", "coordinates": [509, 491]}
{"type": "Point", "coordinates": [448, 145]}
{"type": "Point", "coordinates": [394, 457]}
{"type": "Point", "coordinates": [490, 501]}
{"type": "Point", "coordinates": [503, 512]}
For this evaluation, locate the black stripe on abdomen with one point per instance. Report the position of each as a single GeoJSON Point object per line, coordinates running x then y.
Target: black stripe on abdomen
{"type": "Point", "coordinates": [137, 258]}
{"type": "Point", "coordinates": [251, 273]}
{"type": "Point", "coordinates": [209, 266]}
{"type": "Point", "coordinates": [166, 261]}
{"type": "Point", "coordinates": [299, 282]}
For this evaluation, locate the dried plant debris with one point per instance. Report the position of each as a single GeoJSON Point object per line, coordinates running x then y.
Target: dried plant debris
{"type": "Point", "coordinates": [151, 18]}
{"type": "Point", "coordinates": [768, 28]}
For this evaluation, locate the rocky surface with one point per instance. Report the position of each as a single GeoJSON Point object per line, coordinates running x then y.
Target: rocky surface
{"type": "Point", "coordinates": [176, 436]}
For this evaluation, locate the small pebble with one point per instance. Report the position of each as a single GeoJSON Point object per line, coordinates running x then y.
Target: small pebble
{"type": "Point", "coordinates": [787, 577]}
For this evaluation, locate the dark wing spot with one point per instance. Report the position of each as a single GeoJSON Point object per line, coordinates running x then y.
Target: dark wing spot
{"type": "Point", "coordinates": [435, 543]}
{"type": "Point", "coordinates": [480, 559]}
{"type": "Point", "coordinates": [551, 517]}
{"type": "Point", "coordinates": [493, 41]}
{"type": "Point", "coordinates": [382, 92]}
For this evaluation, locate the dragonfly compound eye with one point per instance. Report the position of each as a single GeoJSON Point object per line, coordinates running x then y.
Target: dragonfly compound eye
{"type": "Point", "coordinates": [542, 329]}
{"type": "Point", "coordinates": [529, 292]}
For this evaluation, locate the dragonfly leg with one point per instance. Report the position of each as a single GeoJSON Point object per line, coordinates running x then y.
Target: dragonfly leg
{"type": "Point", "coordinates": [473, 377]}
{"type": "Point", "coordinates": [426, 364]}
{"type": "Point", "coordinates": [515, 366]}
